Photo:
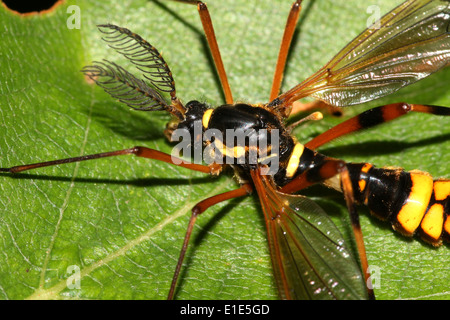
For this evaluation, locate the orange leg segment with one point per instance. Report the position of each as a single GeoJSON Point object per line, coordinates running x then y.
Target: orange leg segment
{"type": "Point", "coordinates": [213, 46]}
{"type": "Point", "coordinates": [196, 211]}
{"type": "Point", "coordinates": [138, 151]}
{"type": "Point", "coordinates": [373, 117]}
{"type": "Point", "coordinates": [284, 48]}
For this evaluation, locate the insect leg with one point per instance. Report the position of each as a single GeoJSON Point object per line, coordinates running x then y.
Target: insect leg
{"type": "Point", "coordinates": [138, 151]}
{"type": "Point", "coordinates": [196, 211]}
{"type": "Point", "coordinates": [284, 48]}
{"type": "Point", "coordinates": [215, 52]}
{"type": "Point", "coordinates": [289, 31]}
{"type": "Point", "coordinates": [373, 117]}
{"type": "Point", "coordinates": [213, 46]}
{"type": "Point", "coordinates": [356, 226]}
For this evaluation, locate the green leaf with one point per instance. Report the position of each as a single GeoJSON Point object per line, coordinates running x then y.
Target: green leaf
{"type": "Point", "coordinates": [121, 221]}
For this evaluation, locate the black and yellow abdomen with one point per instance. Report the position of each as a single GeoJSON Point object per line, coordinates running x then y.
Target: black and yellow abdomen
{"type": "Point", "coordinates": [411, 201]}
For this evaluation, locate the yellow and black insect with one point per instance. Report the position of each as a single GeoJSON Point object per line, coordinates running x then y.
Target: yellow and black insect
{"type": "Point", "coordinates": [309, 258]}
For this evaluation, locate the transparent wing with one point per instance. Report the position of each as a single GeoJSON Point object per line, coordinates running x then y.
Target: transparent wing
{"type": "Point", "coordinates": [125, 87]}
{"type": "Point", "coordinates": [142, 54]}
{"type": "Point", "coordinates": [408, 44]}
{"type": "Point", "coordinates": [309, 257]}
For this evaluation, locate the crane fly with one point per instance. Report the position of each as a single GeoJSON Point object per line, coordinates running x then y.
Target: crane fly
{"type": "Point", "coordinates": [310, 259]}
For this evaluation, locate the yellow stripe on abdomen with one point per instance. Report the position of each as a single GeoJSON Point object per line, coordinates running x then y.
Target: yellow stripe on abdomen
{"type": "Point", "coordinates": [413, 210]}
{"type": "Point", "coordinates": [362, 183]}
{"type": "Point", "coordinates": [433, 222]}
{"type": "Point", "coordinates": [442, 195]}
{"type": "Point", "coordinates": [441, 189]}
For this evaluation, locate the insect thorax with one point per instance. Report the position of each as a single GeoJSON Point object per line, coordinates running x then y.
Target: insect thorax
{"type": "Point", "coordinates": [239, 134]}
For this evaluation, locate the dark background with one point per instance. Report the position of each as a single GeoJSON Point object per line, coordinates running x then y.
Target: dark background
{"type": "Point", "coordinates": [29, 6]}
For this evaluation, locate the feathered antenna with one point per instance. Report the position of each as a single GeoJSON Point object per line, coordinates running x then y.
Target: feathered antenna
{"type": "Point", "coordinates": [125, 87]}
